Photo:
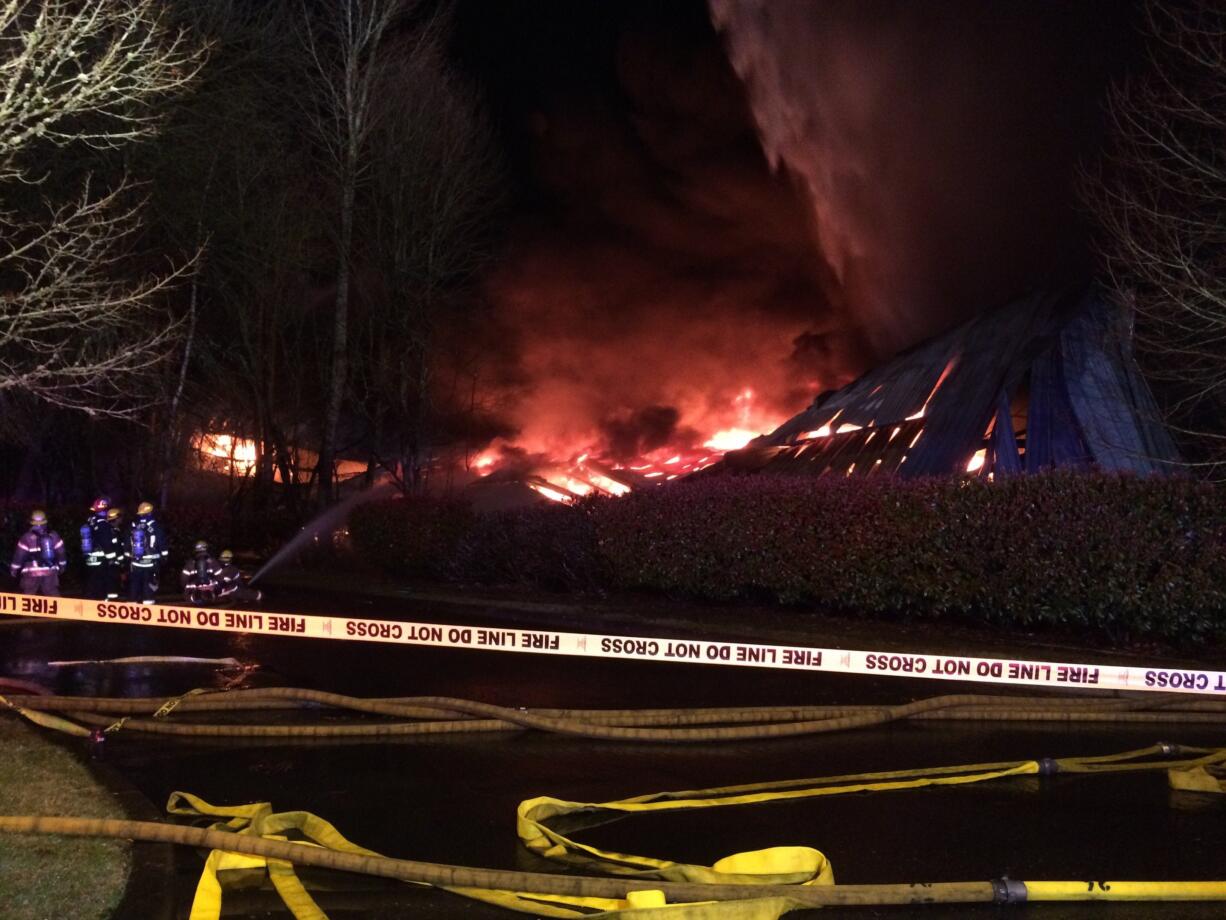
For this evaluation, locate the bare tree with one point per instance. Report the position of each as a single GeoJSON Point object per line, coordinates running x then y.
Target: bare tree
{"type": "Point", "coordinates": [223, 165]}
{"type": "Point", "coordinates": [1159, 197]}
{"type": "Point", "coordinates": [62, 61]}
{"type": "Point", "coordinates": [73, 332]}
{"type": "Point", "coordinates": [435, 187]}
{"type": "Point", "coordinates": [346, 44]}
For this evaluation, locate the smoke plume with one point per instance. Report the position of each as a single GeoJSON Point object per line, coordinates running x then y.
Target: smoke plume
{"type": "Point", "coordinates": [936, 143]}
{"type": "Point", "coordinates": [770, 208]}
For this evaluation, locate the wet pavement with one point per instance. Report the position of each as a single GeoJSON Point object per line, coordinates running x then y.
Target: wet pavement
{"type": "Point", "coordinates": [452, 799]}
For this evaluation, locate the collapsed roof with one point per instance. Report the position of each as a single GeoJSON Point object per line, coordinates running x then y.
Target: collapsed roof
{"type": "Point", "coordinates": [1045, 381]}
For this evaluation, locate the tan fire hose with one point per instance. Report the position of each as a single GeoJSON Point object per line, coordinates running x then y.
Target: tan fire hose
{"type": "Point", "coordinates": [443, 715]}
{"type": "Point", "coordinates": [756, 885]}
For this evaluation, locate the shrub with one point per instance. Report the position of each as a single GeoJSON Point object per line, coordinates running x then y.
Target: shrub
{"type": "Point", "coordinates": [1113, 555]}
{"type": "Point", "coordinates": [551, 547]}
{"type": "Point", "coordinates": [416, 537]}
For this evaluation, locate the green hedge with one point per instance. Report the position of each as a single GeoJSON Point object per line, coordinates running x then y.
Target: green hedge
{"type": "Point", "coordinates": [1117, 556]}
{"type": "Point", "coordinates": [414, 537]}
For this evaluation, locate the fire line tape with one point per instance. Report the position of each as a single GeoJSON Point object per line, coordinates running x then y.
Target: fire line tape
{"type": "Point", "coordinates": [595, 645]}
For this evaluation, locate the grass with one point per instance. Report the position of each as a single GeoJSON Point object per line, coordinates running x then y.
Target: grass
{"type": "Point", "coordinates": [44, 877]}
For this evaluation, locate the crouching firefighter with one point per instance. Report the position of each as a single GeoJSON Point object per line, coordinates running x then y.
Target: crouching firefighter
{"type": "Point", "coordinates": [231, 582]}
{"type": "Point", "coordinates": [102, 549]}
{"type": "Point", "coordinates": [147, 547]}
{"type": "Point", "coordinates": [201, 575]}
{"type": "Point", "coordinates": [39, 559]}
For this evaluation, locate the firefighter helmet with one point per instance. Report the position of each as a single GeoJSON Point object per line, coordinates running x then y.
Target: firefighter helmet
{"type": "Point", "coordinates": [227, 556]}
{"type": "Point", "coordinates": [144, 508]}
{"type": "Point", "coordinates": [101, 503]}
{"type": "Point", "coordinates": [114, 514]}
{"type": "Point", "coordinates": [38, 518]}
{"type": "Point", "coordinates": [200, 548]}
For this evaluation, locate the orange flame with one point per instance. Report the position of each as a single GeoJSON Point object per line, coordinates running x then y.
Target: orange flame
{"type": "Point", "coordinates": [588, 471]}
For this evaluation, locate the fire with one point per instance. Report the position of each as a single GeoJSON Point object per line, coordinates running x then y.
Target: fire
{"type": "Point", "coordinates": [588, 469]}
{"type": "Point", "coordinates": [551, 493]}
{"type": "Point", "coordinates": [730, 439]}
{"type": "Point", "coordinates": [226, 453]}
{"type": "Point", "coordinates": [609, 484]}
{"type": "Point", "coordinates": [235, 456]}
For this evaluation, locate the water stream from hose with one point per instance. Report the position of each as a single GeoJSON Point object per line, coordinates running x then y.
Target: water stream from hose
{"type": "Point", "coordinates": [327, 522]}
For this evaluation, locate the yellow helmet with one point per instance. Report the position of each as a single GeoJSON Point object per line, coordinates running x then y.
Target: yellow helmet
{"type": "Point", "coordinates": [227, 556]}
{"type": "Point", "coordinates": [144, 508]}
{"type": "Point", "coordinates": [114, 514]}
{"type": "Point", "coordinates": [38, 518]}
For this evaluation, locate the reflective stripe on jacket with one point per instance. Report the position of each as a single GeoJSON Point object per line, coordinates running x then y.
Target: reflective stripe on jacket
{"type": "Point", "coordinates": [28, 558]}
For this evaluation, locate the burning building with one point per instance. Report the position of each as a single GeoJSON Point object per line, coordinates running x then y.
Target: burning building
{"type": "Point", "coordinates": [1045, 381]}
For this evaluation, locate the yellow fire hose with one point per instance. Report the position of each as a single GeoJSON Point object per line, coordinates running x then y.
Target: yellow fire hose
{"type": "Point", "coordinates": [442, 715]}
{"type": "Point", "coordinates": [758, 885]}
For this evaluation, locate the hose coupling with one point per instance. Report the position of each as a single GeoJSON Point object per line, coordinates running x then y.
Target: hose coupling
{"type": "Point", "coordinates": [1048, 766]}
{"type": "Point", "coordinates": [1008, 891]}
{"type": "Point", "coordinates": [1167, 749]}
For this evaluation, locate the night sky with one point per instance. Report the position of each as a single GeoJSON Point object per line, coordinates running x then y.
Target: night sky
{"type": "Point", "coordinates": [773, 205]}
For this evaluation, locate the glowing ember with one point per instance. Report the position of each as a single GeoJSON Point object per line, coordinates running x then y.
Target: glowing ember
{"type": "Point", "coordinates": [949, 366]}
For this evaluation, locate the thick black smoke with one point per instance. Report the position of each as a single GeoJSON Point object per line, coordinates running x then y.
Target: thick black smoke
{"type": "Point", "coordinates": [633, 434]}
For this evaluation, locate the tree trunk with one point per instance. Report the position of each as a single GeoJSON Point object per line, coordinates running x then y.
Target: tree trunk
{"type": "Point", "coordinates": [172, 418]}
{"type": "Point", "coordinates": [340, 342]}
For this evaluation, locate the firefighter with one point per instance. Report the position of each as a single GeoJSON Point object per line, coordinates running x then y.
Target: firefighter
{"type": "Point", "coordinates": [115, 571]}
{"type": "Point", "coordinates": [147, 548]}
{"type": "Point", "coordinates": [100, 545]}
{"type": "Point", "coordinates": [201, 575]}
{"type": "Point", "coordinates": [39, 559]}
{"type": "Point", "coordinates": [231, 587]}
